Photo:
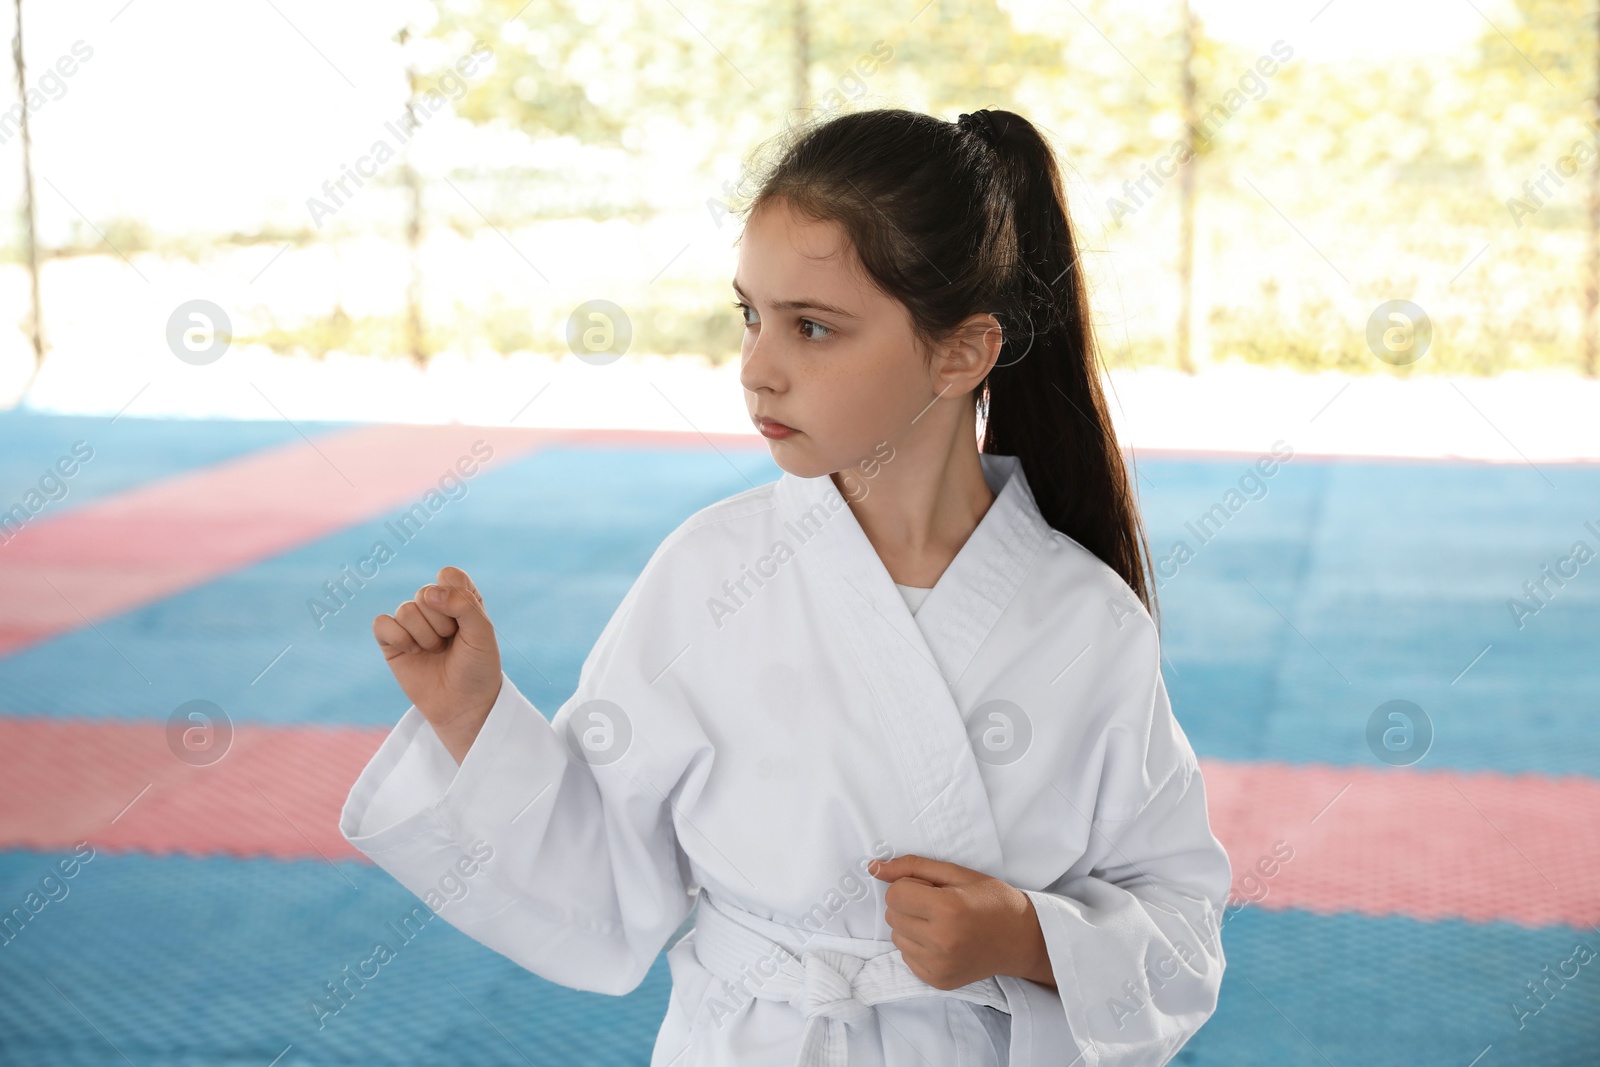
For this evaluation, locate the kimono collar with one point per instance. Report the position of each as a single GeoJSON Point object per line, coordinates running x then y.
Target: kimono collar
{"type": "Point", "coordinates": [975, 588]}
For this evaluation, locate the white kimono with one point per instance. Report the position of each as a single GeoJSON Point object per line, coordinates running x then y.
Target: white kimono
{"type": "Point", "coordinates": [760, 718]}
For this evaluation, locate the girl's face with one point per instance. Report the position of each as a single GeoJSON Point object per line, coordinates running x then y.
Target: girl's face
{"type": "Point", "coordinates": [825, 352]}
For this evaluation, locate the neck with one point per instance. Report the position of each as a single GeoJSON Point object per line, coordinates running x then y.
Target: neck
{"type": "Point", "coordinates": [920, 507]}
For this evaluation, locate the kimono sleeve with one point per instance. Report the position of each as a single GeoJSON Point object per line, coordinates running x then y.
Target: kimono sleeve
{"type": "Point", "coordinates": [1133, 929]}
{"type": "Point", "coordinates": [553, 841]}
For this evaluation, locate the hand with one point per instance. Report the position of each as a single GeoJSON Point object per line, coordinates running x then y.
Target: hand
{"type": "Point", "coordinates": [445, 657]}
{"type": "Point", "coordinates": [955, 925]}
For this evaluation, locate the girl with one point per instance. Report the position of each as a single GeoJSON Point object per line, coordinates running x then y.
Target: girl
{"type": "Point", "coordinates": [894, 724]}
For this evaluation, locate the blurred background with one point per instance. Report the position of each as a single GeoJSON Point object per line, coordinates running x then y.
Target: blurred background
{"type": "Point", "coordinates": [268, 271]}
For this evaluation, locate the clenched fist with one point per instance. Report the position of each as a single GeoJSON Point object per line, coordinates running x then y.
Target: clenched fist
{"type": "Point", "coordinates": [954, 925]}
{"type": "Point", "coordinates": [441, 647]}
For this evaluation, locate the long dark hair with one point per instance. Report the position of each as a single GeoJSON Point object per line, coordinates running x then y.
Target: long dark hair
{"type": "Point", "coordinates": [952, 225]}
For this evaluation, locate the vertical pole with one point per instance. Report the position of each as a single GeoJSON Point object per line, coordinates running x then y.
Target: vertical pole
{"type": "Point", "coordinates": [1591, 281]}
{"type": "Point", "coordinates": [413, 183]}
{"type": "Point", "coordinates": [1186, 201]}
{"type": "Point", "coordinates": [802, 54]}
{"type": "Point", "coordinates": [30, 229]}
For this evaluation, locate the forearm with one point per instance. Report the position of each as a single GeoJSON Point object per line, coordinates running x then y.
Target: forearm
{"type": "Point", "coordinates": [1030, 956]}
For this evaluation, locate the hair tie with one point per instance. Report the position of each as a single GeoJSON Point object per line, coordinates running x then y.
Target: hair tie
{"type": "Point", "coordinates": [982, 123]}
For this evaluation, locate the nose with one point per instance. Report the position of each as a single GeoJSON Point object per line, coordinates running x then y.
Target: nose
{"type": "Point", "coordinates": [757, 368]}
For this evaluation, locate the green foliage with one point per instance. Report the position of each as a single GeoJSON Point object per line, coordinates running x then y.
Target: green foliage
{"type": "Point", "coordinates": [1405, 173]}
{"type": "Point", "coordinates": [381, 335]}
{"type": "Point", "coordinates": [665, 324]}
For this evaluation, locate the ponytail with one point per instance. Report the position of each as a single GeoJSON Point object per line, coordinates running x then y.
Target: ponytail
{"type": "Point", "coordinates": [1043, 401]}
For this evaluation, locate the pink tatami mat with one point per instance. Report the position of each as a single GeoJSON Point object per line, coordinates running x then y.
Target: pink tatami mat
{"type": "Point", "coordinates": [161, 538]}
{"type": "Point", "coordinates": [1428, 844]}
{"type": "Point", "coordinates": [276, 792]}
{"type": "Point", "coordinates": [64, 572]}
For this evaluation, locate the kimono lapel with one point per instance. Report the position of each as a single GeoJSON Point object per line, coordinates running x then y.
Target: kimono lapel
{"type": "Point", "coordinates": [967, 600]}
{"type": "Point", "coordinates": [910, 668]}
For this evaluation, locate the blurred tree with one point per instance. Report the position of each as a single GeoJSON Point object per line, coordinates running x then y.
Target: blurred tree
{"type": "Point", "coordinates": [1541, 75]}
{"type": "Point", "coordinates": [603, 74]}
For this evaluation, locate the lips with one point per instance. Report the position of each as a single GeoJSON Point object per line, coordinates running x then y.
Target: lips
{"type": "Point", "coordinates": [772, 427]}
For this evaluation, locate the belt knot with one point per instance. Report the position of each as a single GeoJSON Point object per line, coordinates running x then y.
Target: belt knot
{"type": "Point", "coordinates": [828, 989]}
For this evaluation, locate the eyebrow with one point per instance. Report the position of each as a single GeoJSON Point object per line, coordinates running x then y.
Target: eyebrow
{"type": "Point", "coordinates": [800, 305]}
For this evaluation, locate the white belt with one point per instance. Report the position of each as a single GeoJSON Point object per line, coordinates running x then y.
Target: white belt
{"type": "Point", "coordinates": [834, 987]}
